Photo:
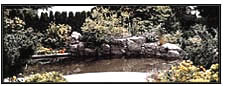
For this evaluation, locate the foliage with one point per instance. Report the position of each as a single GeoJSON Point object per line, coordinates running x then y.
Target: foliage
{"type": "Point", "coordinates": [13, 25]}
{"type": "Point", "coordinates": [148, 18]}
{"type": "Point", "coordinates": [103, 24]}
{"type": "Point", "coordinates": [18, 45]}
{"type": "Point", "coordinates": [42, 50]}
{"type": "Point", "coordinates": [187, 72]}
{"type": "Point", "coordinates": [201, 45]}
{"type": "Point", "coordinates": [56, 35]}
{"type": "Point", "coordinates": [121, 22]}
{"type": "Point", "coordinates": [173, 38]}
{"type": "Point", "coordinates": [46, 77]}
{"type": "Point", "coordinates": [156, 23]}
{"type": "Point", "coordinates": [157, 14]}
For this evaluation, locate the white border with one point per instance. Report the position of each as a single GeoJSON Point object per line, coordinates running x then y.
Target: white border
{"type": "Point", "coordinates": [130, 2]}
{"type": "Point", "coordinates": [111, 2]}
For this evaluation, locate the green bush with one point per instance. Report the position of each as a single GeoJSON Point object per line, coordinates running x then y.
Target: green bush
{"type": "Point", "coordinates": [46, 77]}
{"type": "Point", "coordinates": [201, 45]}
{"type": "Point", "coordinates": [103, 24]}
{"type": "Point", "coordinates": [152, 18]}
{"type": "Point", "coordinates": [187, 72]}
{"type": "Point", "coordinates": [12, 25]}
{"type": "Point", "coordinates": [18, 46]}
{"type": "Point", "coordinates": [56, 35]}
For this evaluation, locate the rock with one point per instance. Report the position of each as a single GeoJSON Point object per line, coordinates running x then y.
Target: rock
{"type": "Point", "coordinates": [133, 47]}
{"type": "Point", "coordinates": [79, 46]}
{"type": "Point", "coordinates": [89, 52]}
{"type": "Point", "coordinates": [149, 49]}
{"type": "Point", "coordinates": [173, 54]}
{"type": "Point", "coordinates": [118, 47]}
{"type": "Point", "coordinates": [75, 36]}
{"type": "Point", "coordinates": [150, 45]}
{"type": "Point", "coordinates": [139, 40]}
{"type": "Point", "coordinates": [104, 49]}
{"type": "Point", "coordinates": [118, 50]}
{"type": "Point", "coordinates": [77, 49]}
{"type": "Point", "coordinates": [162, 49]}
{"type": "Point", "coordinates": [167, 51]}
{"type": "Point", "coordinates": [172, 51]}
{"type": "Point", "coordinates": [77, 70]}
{"type": "Point", "coordinates": [73, 48]}
{"type": "Point", "coordinates": [119, 42]}
{"type": "Point", "coordinates": [105, 46]}
{"type": "Point", "coordinates": [128, 46]}
{"type": "Point", "coordinates": [171, 46]}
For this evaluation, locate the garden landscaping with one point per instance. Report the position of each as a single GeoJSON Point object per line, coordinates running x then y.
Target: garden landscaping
{"type": "Point", "coordinates": [152, 43]}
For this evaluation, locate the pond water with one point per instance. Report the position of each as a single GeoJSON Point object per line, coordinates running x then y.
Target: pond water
{"type": "Point", "coordinates": [75, 66]}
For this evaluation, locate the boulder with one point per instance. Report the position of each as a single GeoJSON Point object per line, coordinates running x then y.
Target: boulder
{"type": "Point", "coordinates": [133, 47]}
{"type": "Point", "coordinates": [118, 47]}
{"type": "Point", "coordinates": [89, 52]}
{"type": "Point", "coordinates": [104, 50]}
{"type": "Point", "coordinates": [149, 49]}
{"type": "Point", "coordinates": [119, 42]}
{"type": "Point", "coordinates": [128, 46]}
{"type": "Point", "coordinates": [167, 51]}
{"type": "Point", "coordinates": [75, 37]}
{"type": "Point", "coordinates": [171, 46]}
{"type": "Point", "coordinates": [172, 51]}
{"type": "Point", "coordinates": [77, 49]}
{"type": "Point", "coordinates": [138, 40]}
{"type": "Point", "coordinates": [118, 50]}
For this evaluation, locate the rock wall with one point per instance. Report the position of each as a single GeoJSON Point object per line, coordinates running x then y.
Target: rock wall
{"type": "Point", "coordinates": [129, 47]}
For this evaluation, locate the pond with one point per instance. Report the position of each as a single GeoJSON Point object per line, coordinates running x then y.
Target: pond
{"type": "Point", "coordinates": [74, 66]}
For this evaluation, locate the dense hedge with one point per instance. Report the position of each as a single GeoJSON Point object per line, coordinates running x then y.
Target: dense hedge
{"type": "Point", "coordinates": [18, 45]}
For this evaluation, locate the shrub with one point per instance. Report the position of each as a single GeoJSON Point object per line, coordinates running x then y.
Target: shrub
{"type": "Point", "coordinates": [148, 18]}
{"type": "Point", "coordinates": [56, 35]}
{"type": "Point", "coordinates": [46, 77]}
{"type": "Point", "coordinates": [18, 46]}
{"type": "Point", "coordinates": [201, 45]}
{"type": "Point", "coordinates": [12, 25]}
{"type": "Point", "coordinates": [121, 22]}
{"type": "Point", "coordinates": [103, 24]}
{"type": "Point", "coordinates": [187, 72]}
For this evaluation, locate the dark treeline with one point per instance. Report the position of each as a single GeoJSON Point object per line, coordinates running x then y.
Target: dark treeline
{"type": "Point", "coordinates": [75, 20]}
{"type": "Point", "coordinates": [40, 23]}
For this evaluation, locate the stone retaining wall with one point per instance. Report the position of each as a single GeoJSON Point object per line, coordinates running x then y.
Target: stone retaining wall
{"type": "Point", "coordinates": [130, 47]}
